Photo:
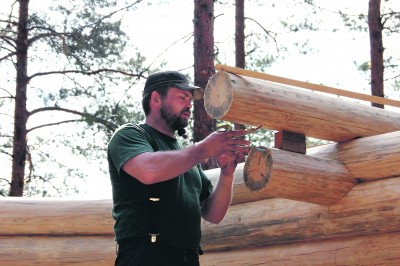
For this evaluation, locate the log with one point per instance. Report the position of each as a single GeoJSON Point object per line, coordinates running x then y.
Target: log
{"type": "Point", "coordinates": [257, 168]}
{"type": "Point", "coordinates": [53, 250]}
{"type": "Point", "coordinates": [241, 193]}
{"type": "Point", "coordinates": [369, 208]}
{"type": "Point", "coordinates": [292, 176]}
{"type": "Point", "coordinates": [27, 216]}
{"type": "Point", "coordinates": [295, 176]}
{"type": "Point", "coordinates": [307, 85]}
{"type": "Point", "coordinates": [367, 159]}
{"type": "Point", "coordinates": [381, 249]}
{"type": "Point", "coordinates": [251, 101]}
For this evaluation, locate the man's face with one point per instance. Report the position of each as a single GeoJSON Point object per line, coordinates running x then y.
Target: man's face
{"type": "Point", "coordinates": [175, 108]}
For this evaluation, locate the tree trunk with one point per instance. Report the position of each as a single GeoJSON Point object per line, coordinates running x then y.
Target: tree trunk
{"type": "Point", "coordinates": [21, 113]}
{"type": "Point", "coordinates": [240, 55]}
{"type": "Point", "coordinates": [203, 69]}
{"type": "Point", "coordinates": [376, 49]}
{"type": "Point", "coordinates": [239, 34]}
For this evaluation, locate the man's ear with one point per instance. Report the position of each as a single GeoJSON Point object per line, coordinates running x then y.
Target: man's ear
{"type": "Point", "coordinates": [155, 98]}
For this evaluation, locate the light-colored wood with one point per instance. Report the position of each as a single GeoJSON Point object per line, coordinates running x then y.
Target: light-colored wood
{"type": "Point", "coordinates": [257, 168]}
{"type": "Point", "coordinates": [369, 208]}
{"type": "Point", "coordinates": [57, 250]}
{"type": "Point", "coordinates": [307, 85]}
{"type": "Point", "coordinates": [381, 249]}
{"type": "Point", "coordinates": [44, 216]}
{"type": "Point", "coordinates": [280, 107]}
{"type": "Point", "coordinates": [369, 158]}
{"type": "Point", "coordinates": [241, 193]}
{"type": "Point", "coordinates": [296, 176]}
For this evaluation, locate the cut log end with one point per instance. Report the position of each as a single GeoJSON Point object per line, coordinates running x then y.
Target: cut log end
{"type": "Point", "coordinates": [218, 95]}
{"type": "Point", "coordinates": [257, 168]}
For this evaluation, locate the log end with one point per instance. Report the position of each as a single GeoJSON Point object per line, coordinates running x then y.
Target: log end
{"type": "Point", "coordinates": [218, 95]}
{"type": "Point", "coordinates": [257, 168]}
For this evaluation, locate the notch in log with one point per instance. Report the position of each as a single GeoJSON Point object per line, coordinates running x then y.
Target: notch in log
{"type": "Point", "coordinates": [290, 141]}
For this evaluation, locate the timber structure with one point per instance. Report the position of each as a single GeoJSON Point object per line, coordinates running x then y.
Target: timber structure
{"type": "Point", "coordinates": [336, 204]}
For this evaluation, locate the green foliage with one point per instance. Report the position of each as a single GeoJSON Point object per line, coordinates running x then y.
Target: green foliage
{"type": "Point", "coordinates": [390, 29]}
{"type": "Point", "coordinates": [364, 66]}
{"type": "Point", "coordinates": [82, 87]}
{"type": "Point", "coordinates": [267, 34]}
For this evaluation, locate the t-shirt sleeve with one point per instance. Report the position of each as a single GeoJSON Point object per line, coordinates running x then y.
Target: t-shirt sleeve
{"type": "Point", "coordinates": [207, 187]}
{"type": "Point", "coordinates": [127, 143]}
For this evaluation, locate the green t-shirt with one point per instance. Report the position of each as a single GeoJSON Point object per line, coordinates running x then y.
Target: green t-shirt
{"type": "Point", "coordinates": [179, 217]}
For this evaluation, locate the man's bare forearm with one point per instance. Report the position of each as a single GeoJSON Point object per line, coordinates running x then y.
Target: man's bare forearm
{"type": "Point", "coordinates": [154, 167]}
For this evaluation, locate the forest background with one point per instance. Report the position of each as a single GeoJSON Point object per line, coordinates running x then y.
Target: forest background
{"type": "Point", "coordinates": [88, 62]}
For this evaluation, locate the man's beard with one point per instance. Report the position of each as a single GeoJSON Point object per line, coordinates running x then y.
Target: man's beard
{"type": "Point", "coordinates": [176, 122]}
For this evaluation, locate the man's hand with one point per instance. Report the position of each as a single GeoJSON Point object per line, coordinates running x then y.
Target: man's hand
{"type": "Point", "coordinates": [228, 143]}
{"type": "Point", "coordinates": [228, 163]}
{"type": "Point", "coordinates": [228, 148]}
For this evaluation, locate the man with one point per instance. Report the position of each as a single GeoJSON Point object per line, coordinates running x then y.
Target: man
{"type": "Point", "coordinates": [159, 191]}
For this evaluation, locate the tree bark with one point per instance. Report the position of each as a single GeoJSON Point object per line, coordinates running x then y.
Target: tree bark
{"type": "Point", "coordinates": [376, 49]}
{"type": "Point", "coordinates": [255, 102]}
{"type": "Point", "coordinates": [21, 113]}
{"type": "Point", "coordinates": [240, 54]}
{"type": "Point", "coordinates": [203, 69]}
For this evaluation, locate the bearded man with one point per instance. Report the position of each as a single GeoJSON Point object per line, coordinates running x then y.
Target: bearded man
{"type": "Point", "coordinates": [160, 192]}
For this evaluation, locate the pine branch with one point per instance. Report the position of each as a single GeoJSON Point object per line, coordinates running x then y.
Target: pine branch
{"type": "Point", "coordinates": [102, 121]}
{"type": "Point", "coordinates": [88, 73]}
{"type": "Point", "coordinates": [54, 124]}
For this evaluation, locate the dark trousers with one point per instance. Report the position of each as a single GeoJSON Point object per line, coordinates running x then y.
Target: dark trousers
{"type": "Point", "coordinates": [141, 252]}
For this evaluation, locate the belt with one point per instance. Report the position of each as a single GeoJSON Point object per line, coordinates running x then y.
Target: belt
{"type": "Point", "coordinates": [179, 251]}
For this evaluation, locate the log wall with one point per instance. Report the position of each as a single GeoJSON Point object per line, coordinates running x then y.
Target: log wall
{"type": "Point", "coordinates": [56, 232]}
{"type": "Point", "coordinates": [338, 204]}
{"type": "Point", "coordinates": [63, 232]}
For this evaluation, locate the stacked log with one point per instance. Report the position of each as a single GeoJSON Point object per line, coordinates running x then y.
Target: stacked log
{"type": "Point", "coordinates": [56, 232]}
{"type": "Point", "coordinates": [338, 204]}
{"type": "Point", "coordinates": [251, 101]}
{"type": "Point", "coordinates": [369, 208]}
{"type": "Point", "coordinates": [297, 177]}
{"type": "Point", "coordinates": [273, 227]}
{"type": "Point", "coordinates": [367, 159]}
{"type": "Point", "coordinates": [49, 250]}
{"type": "Point", "coordinates": [382, 249]}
